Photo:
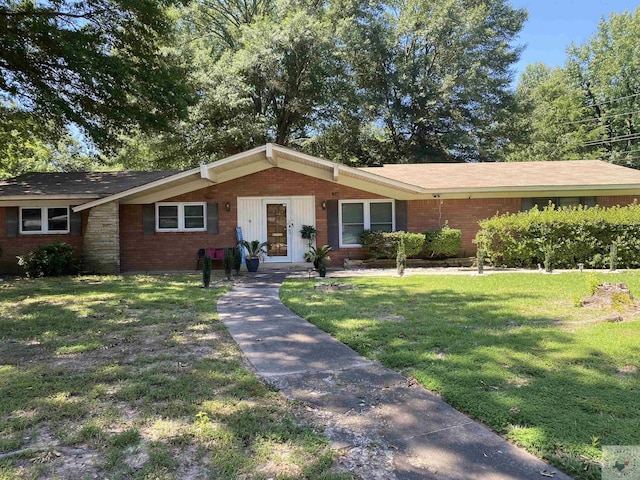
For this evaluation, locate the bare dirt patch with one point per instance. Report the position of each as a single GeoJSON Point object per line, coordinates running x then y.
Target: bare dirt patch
{"type": "Point", "coordinates": [616, 300]}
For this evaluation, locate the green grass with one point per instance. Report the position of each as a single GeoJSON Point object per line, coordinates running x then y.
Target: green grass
{"type": "Point", "coordinates": [135, 377]}
{"type": "Point", "coordinates": [502, 348]}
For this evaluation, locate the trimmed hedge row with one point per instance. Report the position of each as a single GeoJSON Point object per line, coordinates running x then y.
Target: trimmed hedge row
{"type": "Point", "coordinates": [568, 236]}
{"type": "Point", "coordinates": [444, 243]}
{"type": "Point", "coordinates": [385, 244]}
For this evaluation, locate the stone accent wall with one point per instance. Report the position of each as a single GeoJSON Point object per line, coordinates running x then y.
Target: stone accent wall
{"type": "Point", "coordinates": [102, 239]}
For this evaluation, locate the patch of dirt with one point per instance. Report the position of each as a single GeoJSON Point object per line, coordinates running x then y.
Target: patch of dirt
{"type": "Point", "coordinates": [390, 318]}
{"type": "Point", "coordinates": [333, 287]}
{"type": "Point", "coordinates": [628, 370]}
{"type": "Point", "coordinates": [616, 298]}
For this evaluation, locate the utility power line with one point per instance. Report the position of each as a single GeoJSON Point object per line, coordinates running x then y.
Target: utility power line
{"type": "Point", "coordinates": [595, 119]}
{"type": "Point", "coordinates": [612, 100]}
{"type": "Point", "coordinates": [621, 138]}
{"type": "Point", "coordinates": [605, 102]}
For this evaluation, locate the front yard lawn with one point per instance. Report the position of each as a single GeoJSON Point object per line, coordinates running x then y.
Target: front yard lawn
{"type": "Point", "coordinates": [135, 377]}
{"type": "Point", "coordinates": [502, 348]}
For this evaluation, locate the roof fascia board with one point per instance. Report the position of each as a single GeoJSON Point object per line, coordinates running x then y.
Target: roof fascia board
{"type": "Point", "coordinates": [346, 170]}
{"type": "Point", "coordinates": [532, 189]}
{"type": "Point", "coordinates": [199, 184]}
{"type": "Point", "coordinates": [139, 189]}
{"type": "Point", "coordinates": [244, 171]}
{"type": "Point", "coordinates": [305, 169]}
{"type": "Point", "coordinates": [41, 202]}
{"type": "Point", "coordinates": [376, 189]}
{"type": "Point", "coordinates": [528, 193]}
{"type": "Point", "coordinates": [168, 193]}
{"type": "Point", "coordinates": [47, 198]}
{"type": "Point", "coordinates": [237, 156]}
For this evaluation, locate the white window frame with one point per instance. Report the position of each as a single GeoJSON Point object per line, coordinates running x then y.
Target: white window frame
{"type": "Point", "coordinates": [181, 206]}
{"type": "Point", "coordinates": [367, 217]}
{"type": "Point", "coordinates": [44, 226]}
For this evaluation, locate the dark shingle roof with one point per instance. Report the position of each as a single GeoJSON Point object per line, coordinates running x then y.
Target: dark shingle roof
{"type": "Point", "coordinates": [99, 184]}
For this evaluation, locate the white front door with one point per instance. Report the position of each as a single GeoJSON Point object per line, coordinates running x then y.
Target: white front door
{"type": "Point", "coordinates": [277, 226]}
{"type": "Point", "coordinates": [277, 220]}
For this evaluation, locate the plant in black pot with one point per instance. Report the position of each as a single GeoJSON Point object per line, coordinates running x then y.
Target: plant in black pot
{"type": "Point", "coordinates": [320, 257]}
{"type": "Point", "coordinates": [255, 251]}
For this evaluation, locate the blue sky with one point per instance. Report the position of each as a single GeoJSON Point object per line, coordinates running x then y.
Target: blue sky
{"type": "Point", "coordinates": [554, 24]}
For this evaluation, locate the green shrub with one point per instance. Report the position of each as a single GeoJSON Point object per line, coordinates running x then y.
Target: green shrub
{"type": "Point", "coordinates": [50, 261]}
{"type": "Point", "coordinates": [577, 235]}
{"type": "Point", "coordinates": [443, 243]}
{"type": "Point", "coordinates": [385, 244]}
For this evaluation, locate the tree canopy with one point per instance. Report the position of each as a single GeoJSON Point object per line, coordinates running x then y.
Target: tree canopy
{"type": "Point", "coordinates": [355, 81]}
{"type": "Point", "coordinates": [589, 108]}
{"type": "Point", "coordinates": [96, 64]}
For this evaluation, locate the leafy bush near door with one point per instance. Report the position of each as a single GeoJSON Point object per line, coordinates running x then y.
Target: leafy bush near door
{"type": "Point", "coordinates": [575, 235]}
{"type": "Point", "coordinates": [385, 244]}
{"type": "Point", "coordinates": [50, 261]}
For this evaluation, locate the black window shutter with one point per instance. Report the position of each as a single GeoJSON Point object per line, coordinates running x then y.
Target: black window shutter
{"type": "Point", "coordinates": [589, 201]}
{"type": "Point", "coordinates": [401, 216]}
{"type": "Point", "coordinates": [11, 221]}
{"type": "Point", "coordinates": [75, 222]}
{"type": "Point", "coordinates": [149, 219]}
{"type": "Point", "coordinates": [333, 228]}
{"type": "Point", "coordinates": [212, 218]}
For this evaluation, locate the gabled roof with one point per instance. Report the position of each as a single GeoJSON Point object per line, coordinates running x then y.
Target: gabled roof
{"type": "Point", "coordinates": [403, 182]}
{"type": "Point", "coordinates": [76, 184]}
{"type": "Point", "coordinates": [253, 161]}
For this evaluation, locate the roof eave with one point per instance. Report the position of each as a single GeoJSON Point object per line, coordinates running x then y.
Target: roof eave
{"type": "Point", "coordinates": [45, 197]}
{"type": "Point", "coordinates": [521, 191]}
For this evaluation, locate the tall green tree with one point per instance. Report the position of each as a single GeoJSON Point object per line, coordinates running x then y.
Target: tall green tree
{"type": "Point", "coordinates": [607, 70]}
{"type": "Point", "coordinates": [27, 145]}
{"type": "Point", "coordinates": [590, 107]}
{"type": "Point", "coordinates": [433, 76]}
{"type": "Point", "coordinates": [263, 74]}
{"type": "Point", "coordinates": [550, 123]}
{"type": "Point", "coordinates": [98, 64]}
{"type": "Point", "coordinates": [358, 81]}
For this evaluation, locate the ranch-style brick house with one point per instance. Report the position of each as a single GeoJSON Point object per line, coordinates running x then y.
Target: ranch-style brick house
{"type": "Point", "coordinates": [154, 221]}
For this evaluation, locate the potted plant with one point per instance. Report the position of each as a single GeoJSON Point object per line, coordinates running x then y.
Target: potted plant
{"type": "Point", "coordinates": [308, 233]}
{"type": "Point", "coordinates": [255, 251]}
{"type": "Point", "coordinates": [320, 257]}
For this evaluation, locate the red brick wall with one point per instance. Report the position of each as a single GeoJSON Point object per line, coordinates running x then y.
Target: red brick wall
{"type": "Point", "coordinates": [11, 247]}
{"type": "Point", "coordinates": [613, 201]}
{"type": "Point", "coordinates": [464, 214]}
{"type": "Point", "coordinates": [177, 250]}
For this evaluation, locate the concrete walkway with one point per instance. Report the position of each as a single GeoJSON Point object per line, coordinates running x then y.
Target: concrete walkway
{"type": "Point", "coordinates": [385, 426]}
